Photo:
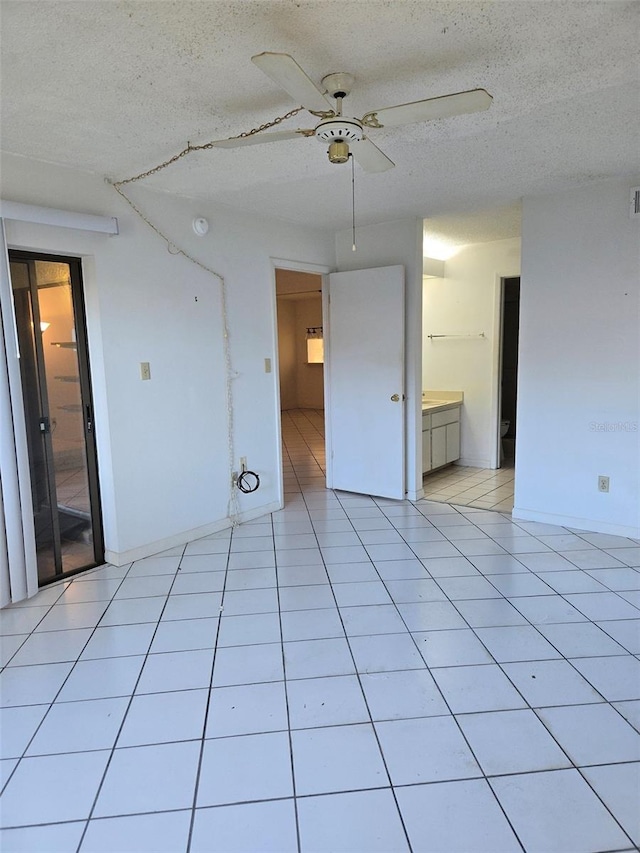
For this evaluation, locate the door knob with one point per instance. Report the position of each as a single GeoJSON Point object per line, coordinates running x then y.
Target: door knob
{"type": "Point", "coordinates": [395, 398]}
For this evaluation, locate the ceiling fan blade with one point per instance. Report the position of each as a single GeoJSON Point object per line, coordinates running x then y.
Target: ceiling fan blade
{"type": "Point", "coordinates": [286, 72]}
{"type": "Point", "coordinates": [259, 138]}
{"type": "Point", "coordinates": [445, 106]}
{"type": "Point", "coordinates": [370, 157]}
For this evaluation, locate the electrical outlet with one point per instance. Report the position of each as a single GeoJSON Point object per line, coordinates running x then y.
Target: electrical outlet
{"type": "Point", "coordinates": [603, 483]}
{"type": "Point", "coordinates": [145, 370]}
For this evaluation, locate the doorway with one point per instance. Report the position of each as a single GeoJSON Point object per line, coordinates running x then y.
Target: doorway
{"type": "Point", "coordinates": [300, 330]}
{"type": "Point", "coordinates": [510, 325]}
{"type": "Point", "coordinates": [301, 373]}
{"type": "Point", "coordinates": [58, 410]}
{"type": "Point", "coordinates": [362, 378]}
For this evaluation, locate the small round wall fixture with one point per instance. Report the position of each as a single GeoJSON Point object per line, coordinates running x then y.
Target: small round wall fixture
{"type": "Point", "coordinates": [200, 226]}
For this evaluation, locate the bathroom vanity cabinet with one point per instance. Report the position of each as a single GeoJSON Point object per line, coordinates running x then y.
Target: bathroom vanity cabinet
{"type": "Point", "coordinates": [440, 434]}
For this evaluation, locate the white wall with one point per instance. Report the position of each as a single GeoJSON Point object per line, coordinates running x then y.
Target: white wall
{"type": "Point", "coordinates": [163, 446]}
{"type": "Point", "coordinates": [382, 245]}
{"type": "Point", "coordinates": [467, 301]}
{"type": "Point", "coordinates": [287, 353]}
{"type": "Point", "coordinates": [578, 382]}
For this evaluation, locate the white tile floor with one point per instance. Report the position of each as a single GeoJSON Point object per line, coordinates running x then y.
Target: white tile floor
{"type": "Point", "coordinates": [348, 674]}
{"type": "Point", "coordinates": [482, 488]}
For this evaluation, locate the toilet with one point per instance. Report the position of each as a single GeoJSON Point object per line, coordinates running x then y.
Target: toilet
{"type": "Point", "coordinates": [504, 429]}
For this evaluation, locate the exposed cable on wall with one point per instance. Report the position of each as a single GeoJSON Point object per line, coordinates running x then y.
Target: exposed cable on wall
{"type": "Point", "coordinates": [172, 248]}
{"type": "Point", "coordinates": [233, 507]}
{"type": "Point", "coordinates": [248, 481]}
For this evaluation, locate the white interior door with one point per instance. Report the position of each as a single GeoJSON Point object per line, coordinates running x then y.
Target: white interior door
{"type": "Point", "coordinates": [365, 373]}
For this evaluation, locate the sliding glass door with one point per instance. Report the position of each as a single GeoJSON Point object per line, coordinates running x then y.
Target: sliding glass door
{"type": "Point", "coordinates": [58, 410]}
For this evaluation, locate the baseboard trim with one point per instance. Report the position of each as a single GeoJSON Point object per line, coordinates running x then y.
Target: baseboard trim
{"type": "Point", "coordinates": [121, 558]}
{"type": "Point", "coordinates": [590, 525]}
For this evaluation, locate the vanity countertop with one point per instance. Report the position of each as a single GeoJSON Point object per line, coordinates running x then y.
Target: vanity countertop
{"type": "Point", "coordinates": [431, 406]}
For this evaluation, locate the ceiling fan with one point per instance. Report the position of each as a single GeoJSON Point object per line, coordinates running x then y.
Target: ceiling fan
{"type": "Point", "coordinates": [340, 131]}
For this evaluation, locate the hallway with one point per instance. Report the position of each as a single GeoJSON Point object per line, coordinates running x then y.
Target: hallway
{"type": "Point", "coordinates": [348, 673]}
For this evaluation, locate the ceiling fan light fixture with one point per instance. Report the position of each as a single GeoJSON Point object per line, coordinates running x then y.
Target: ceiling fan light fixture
{"type": "Point", "coordinates": [338, 151]}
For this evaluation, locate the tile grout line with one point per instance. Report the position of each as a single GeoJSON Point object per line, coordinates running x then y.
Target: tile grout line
{"type": "Point", "coordinates": [285, 688]}
{"type": "Point", "coordinates": [552, 736]}
{"type": "Point", "coordinates": [131, 697]}
{"type": "Point", "coordinates": [205, 720]}
{"type": "Point", "coordinates": [574, 765]}
{"type": "Point", "coordinates": [305, 492]}
{"type": "Point", "coordinates": [451, 713]}
{"type": "Point", "coordinates": [67, 677]}
{"type": "Point", "coordinates": [370, 723]}
{"type": "Point", "coordinates": [444, 699]}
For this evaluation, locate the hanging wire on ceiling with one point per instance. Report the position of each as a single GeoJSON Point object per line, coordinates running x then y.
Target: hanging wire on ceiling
{"type": "Point", "coordinates": [206, 146]}
{"type": "Point", "coordinates": [233, 507]}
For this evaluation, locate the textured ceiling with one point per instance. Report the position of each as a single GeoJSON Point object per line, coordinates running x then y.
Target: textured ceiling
{"type": "Point", "coordinates": [116, 87]}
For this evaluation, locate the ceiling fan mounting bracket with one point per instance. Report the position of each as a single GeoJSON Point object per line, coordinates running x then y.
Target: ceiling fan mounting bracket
{"type": "Point", "coordinates": [338, 85]}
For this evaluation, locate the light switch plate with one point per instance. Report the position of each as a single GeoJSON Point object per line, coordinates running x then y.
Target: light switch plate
{"type": "Point", "coordinates": [145, 370]}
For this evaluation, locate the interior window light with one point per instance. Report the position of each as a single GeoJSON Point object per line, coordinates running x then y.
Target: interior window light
{"type": "Point", "coordinates": [315, 345]}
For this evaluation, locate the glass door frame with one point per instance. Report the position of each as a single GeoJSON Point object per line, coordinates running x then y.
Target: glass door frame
{"type": "Point", "coordinates": [79, 315]}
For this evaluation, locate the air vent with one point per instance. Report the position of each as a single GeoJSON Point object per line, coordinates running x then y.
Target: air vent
{"type": "Point", "coordinates": [634, 206]}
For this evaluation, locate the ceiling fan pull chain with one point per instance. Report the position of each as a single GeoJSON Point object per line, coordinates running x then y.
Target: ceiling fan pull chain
{"type": "Point", "coordinates": [353, 203]}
